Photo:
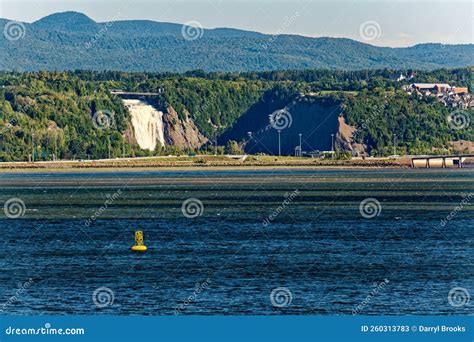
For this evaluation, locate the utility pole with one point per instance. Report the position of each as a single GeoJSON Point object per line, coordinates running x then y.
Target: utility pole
{"type": "Point", "coordinates": [332, 145]}
{"type": "Point", "coordinates": [301, 152]}
{"type": "Point", "coordinates": [33, 147]}
{"type": "Point", "coordinates": [270, 121]}
{"type": "Point", "coordinates": [279, 143]}
{"type": "Point", "coordinates": [55, 147]}
{"type": "Point", "coordinates": [108, 138]}
{"type": "Point", "coordinates": [247, 146]}
{"type": "Point", "coordinates": [215, 147]}
{"type": "Point", "coordinates": [123, 148]}
{"type": "Point", "coordinates": [394, 145]}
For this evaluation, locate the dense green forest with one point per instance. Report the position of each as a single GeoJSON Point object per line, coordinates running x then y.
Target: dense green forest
{"type": "Point", "coordinates": [419, 124]}
{"type": "Point", "coordinates": [55, 113]}
{"type": "Point", "coordinates": [318, 79]}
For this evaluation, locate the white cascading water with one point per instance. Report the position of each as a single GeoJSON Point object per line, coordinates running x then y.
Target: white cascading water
{"type": "Point", "coordinates": [147, 123]}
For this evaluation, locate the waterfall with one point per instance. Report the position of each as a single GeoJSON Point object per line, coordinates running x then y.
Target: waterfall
{"type": "Point", "coordinates": [147, 124]}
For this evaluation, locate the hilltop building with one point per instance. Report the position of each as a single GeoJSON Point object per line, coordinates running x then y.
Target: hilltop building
{"type": "Point", "coordinates": [431, 87]}
{"type": "Point", "coordinates": [450, 96]}
{"type": "Point", "coordinates": [460, 90]}
{"type": "Point", "coordinates": [400, 77]}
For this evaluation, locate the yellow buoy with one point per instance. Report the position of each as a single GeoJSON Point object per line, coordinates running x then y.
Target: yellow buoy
{"type": "Point", "coordinates": [139, 244]}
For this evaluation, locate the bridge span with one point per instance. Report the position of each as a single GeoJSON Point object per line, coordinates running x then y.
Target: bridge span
{"type": "Point", "coordinates": [121, 92]}
{"type": "Point", "coordinates": [440, 161]}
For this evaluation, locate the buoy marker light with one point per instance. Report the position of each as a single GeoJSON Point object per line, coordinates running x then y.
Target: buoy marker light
{"type": "Point", "coordinates": [139, 244]}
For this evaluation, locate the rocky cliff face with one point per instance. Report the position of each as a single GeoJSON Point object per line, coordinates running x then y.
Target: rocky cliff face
{"type": "Point", "coordinates": [181, 133]}
{"type": "Point", "coordinates": [344, 138]}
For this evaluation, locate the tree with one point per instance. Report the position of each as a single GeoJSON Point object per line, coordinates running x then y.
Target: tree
{"type": "Point", "coordinates": [234, 148]}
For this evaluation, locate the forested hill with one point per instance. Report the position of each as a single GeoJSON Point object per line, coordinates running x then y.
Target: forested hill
{"type": "Point", "coordinates": [70, 40]}
{"type": "Point", "coordinates": [58, 110]}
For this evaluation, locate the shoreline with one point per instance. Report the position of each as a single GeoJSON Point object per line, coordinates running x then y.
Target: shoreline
{"type": "Point", "coordinates": [196, 168]}
{"type": "Point", "coordinates": [218, 163]}
{"type": "Point", "coordinates": [195, 165]}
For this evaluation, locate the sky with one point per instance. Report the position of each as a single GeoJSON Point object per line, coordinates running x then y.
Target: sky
{"type": "Point", "coordinates": [383, 23]}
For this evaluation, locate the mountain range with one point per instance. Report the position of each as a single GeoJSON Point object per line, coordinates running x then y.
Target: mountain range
{"type": "Point", "coordinates": [71, 40]}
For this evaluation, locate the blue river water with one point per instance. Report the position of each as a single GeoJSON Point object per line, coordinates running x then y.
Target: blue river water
{"type": "Point", "coordinates": [303, 242]}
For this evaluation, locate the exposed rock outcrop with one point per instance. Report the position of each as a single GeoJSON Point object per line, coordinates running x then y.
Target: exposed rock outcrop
{"type": "Point", "coordinates": [462, 146]}
{"type": "Point", "coordinates": [181, 133]}
{"type": "Point", "coordinates": [344, 138]}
